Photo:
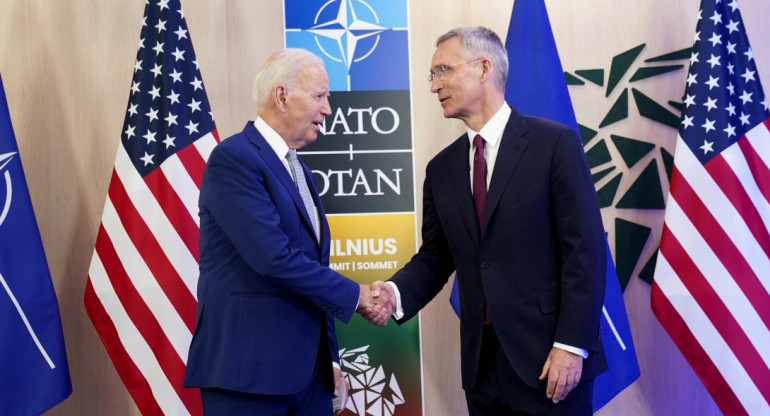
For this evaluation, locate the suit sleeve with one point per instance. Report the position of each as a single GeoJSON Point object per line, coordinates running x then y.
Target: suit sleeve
{"type": "Point", "coordinates": [582, 245]}
{"type": "Point", "coordinates": [248, 213]}
{"type": "Point", "coordinates": [420, 280]}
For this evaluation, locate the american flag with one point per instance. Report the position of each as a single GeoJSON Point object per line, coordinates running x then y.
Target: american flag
{"type": "Point", "coordinates": [141, 290]}
{"type": "Point", "coordinates": [712, 279]}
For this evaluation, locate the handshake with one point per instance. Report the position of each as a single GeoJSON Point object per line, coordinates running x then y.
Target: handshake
{"type": "Point", "coordinates": [376, 302]}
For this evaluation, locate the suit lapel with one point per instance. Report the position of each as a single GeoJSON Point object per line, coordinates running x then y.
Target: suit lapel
{"type": "Point", "coordinates": [279, 170]}
{"type": "Point", "coordinates": [459, 168]}
{"type": "Point", "coordinates": [512, 146]}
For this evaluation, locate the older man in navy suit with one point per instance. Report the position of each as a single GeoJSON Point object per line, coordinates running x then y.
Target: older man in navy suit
{"type": "Point", "coordinates": [511, 207]}
{"type": "Point", "coordinates": [264, 342]}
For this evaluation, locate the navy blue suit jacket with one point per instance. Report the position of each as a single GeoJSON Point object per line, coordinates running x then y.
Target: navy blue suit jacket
{"type": "Point", "coordinates": [266, 300]}
{"type": "Point", "coordinates": [540, 263]}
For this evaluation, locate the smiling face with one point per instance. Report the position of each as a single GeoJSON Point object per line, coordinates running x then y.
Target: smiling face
{"type": "Point", "coordinates": [460, 91]}
{"type": "Point", "coordinates": [307, 104]}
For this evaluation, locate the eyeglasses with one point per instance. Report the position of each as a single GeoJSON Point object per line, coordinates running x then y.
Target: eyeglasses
{"type": "Point", "coordinates": [441, 71]}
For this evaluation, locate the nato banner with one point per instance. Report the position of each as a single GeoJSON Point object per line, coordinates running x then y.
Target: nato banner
{"type": "Point", "coordinates": [34, 375]}
{"type": "Point", "coordinates": [363, 166]}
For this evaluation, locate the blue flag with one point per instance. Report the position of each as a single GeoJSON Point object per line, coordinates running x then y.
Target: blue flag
{"type": "Point", "coordinates": [34, 375]}
{"type": "Point", "coordinates": [537, 87]}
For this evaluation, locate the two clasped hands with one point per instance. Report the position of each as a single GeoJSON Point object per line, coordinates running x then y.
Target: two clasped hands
{"type": "Point", "coordinates": [376, 303]}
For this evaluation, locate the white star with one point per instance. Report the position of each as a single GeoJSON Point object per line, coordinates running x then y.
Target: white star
{"type": "Point", "coordinates": [141, 43]}
{"type": "Point", "coordinates": [192, 127]}
{"type": "Point", "coordinates": [150, 136]}
{"type": "Point", "coordinates": [194, 105]}
{"type": "Point", "coordinates": [733, 4]}
{"type": "Point", "coordinates": [155, 92]}
{"type": "Point", "coordinates": [161, 25]}
{"type": "Point", "coordinates": [174, 97]}
{"type": "Point", "coordinates": [707, 147]}
{"type": "Point", "coordinates": [730, 109]}
{"type": "Point", "coordinates": [731, 88]}
{"type": "Point", "coordinates": [764, 103]}
{"type": "Point", "coordinates": [749, 54]}
{"type": "Point", "coordinates": [134, 87]}
{"type": "Point", "coordinates": [691, 79]}
{"type": "Point", "coordinates": [748, 76]}
{"type": "Point", "coordinates": [730, 130]}
{"type": "Point", "coordinates": [179, 55]}
{"type": "Point", "coordinates": [138, 65]}
{"type": "Point", "coordinates": [130, 132]}
{"type": "Point", "coordinates": [156, 70]}
{"type": "Point", "coordinates": [346, 29]}
{"type": "Point", "coordinates": [163, 4]}
{"type": "Point", "coordinates": [171, 119]}
{"type": "Point", "coordinates": [714, 61]}
{"type": "Point", "coordinates": [694, 58]}
{"type": "Point", "coordinates": [715, 39]}
{"type": "Point", "coordinates": [730, 47]}
{"type": "Point", "coordinates": [144, 21]}
{"type": "Point", "coordinates": [689, 100]}
{"type": "Point", "coordinates": [746, 97]}
{"type": "Point", "coordinates": [181, 33]}
{"type": "Point", "coordinates": [733, 26]}
{"type": "Point", "coordinates": [158, 48]}
{"type": "Point", "coordinates": [710, 104]}
{"type": "Point", "coordinates": [147, 159]}
{"type": "Point", "coordinates": [153, 114]}
{"type": "Point", "coordinates": [744, 118]}
{"type": "Point", "coordinates": [181, 13]}
{"type": "Point", "coordinates": [731, 68]}
{"type": "Point", "coordinates": [687, 122]}
{"type": "Point", "coordinates": [696, 38]}
{"type": "Point", "coordinates": [708, 125]}
{"type": "Point", "coordinates": [211, 114]}
{"type": "Point", "coordinates": [712, 82]}
{"type": "Point", "coordinates": [132, 109]}
{"type": "Point", "coordinates": [717, 18]}
{"type": "Point", "coordinates": [169, 141]}
{"type": "Point", "coordinates": [196, 64]}
{"type": "Point", "coordinates": [197, 84]}
{"type": "Point", "coordinates": [176, 75]}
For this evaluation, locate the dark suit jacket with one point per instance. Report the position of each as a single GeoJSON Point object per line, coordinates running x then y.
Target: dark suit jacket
{"type": "Point", "coordinates": [266, 300]}
{"type": "Point", "coordinates": [540, 264]}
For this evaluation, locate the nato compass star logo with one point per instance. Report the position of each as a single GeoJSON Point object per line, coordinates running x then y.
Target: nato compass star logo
{"type": "Point", "coordinates": [372, 391]}
{"type": "Point", "coordinates": [364, 45]}
{"type": "Point", "coordinates": [4, 160]}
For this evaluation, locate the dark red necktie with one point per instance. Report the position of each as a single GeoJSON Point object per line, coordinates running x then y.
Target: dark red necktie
{"type": "Point", "coordinates": [480, 192]}
{"type": "Point", "coordinates": [479, 181]}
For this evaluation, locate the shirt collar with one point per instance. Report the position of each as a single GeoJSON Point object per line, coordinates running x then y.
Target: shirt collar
{"type": "Point", "coordinates": [274, 139]}
{"type": "Point", "coordinates": [493, 130]}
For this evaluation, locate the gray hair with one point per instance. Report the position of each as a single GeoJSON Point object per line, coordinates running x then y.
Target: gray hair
{"type": "Point", "coordinates": [281, 67]}
{"type": "Point", "coordinates": [480, 42]}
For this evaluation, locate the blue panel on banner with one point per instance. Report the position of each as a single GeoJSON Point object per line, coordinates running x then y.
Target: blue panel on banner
{"type": "Point", "coordinates": [358, 40]}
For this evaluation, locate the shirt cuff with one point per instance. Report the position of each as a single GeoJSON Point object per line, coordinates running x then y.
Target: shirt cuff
{"type": "Point", "coordinates": [336, 365]}
{"type": "Point", "coordinates": [575, 350]}
{"type": "Point", "coordinates": [399, 312]}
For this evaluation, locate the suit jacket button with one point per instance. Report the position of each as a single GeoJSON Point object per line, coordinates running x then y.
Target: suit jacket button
{"type": "Point", "coordinates": [484, 265]}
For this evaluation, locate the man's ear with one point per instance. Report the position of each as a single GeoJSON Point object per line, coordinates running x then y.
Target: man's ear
{"type": "Point", "coordinates": [486, 69]}
{"type": "Point", "coordinates": [280, 95]}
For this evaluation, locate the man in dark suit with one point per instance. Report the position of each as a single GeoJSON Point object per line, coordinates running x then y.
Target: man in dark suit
{"type": "Point", "coordinates": [512, 208]}
{"type": "Point", "coordinates": [264, 342]}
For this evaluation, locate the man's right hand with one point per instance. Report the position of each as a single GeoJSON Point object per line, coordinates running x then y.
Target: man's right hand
{"type": "Point", "coordinates": [376, 303]}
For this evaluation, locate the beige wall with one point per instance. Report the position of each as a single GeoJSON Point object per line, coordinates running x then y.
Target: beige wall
{"type": "Point", "coordinates": [66, 66]}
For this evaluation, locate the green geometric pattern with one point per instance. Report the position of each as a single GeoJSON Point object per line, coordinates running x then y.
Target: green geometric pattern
{"type": "Point", "coordinates": [645, 191]}
{"type": "Point", "coordinates": [628, 247]}
{"type": "Point", "coordinates": [607, 193]}
{"type": "Point", "coordinates": [631, 150]}
{"type": "Point", "coordinates": [620, 64]}
{"type": "Point", "coordinates": [619, 110]}
{"type": "Point", "coordinates": [652, 71]}
{"type": "Point", "coordinates": [654, 111]}
{"type": "Point", "coordinates": [598, 155]}
{"type": "Point", "coordinates": [594, 75]}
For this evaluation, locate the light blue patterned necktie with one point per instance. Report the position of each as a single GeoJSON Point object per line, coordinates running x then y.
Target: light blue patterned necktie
{"type": "Point", "coordinates": [304, 191]}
